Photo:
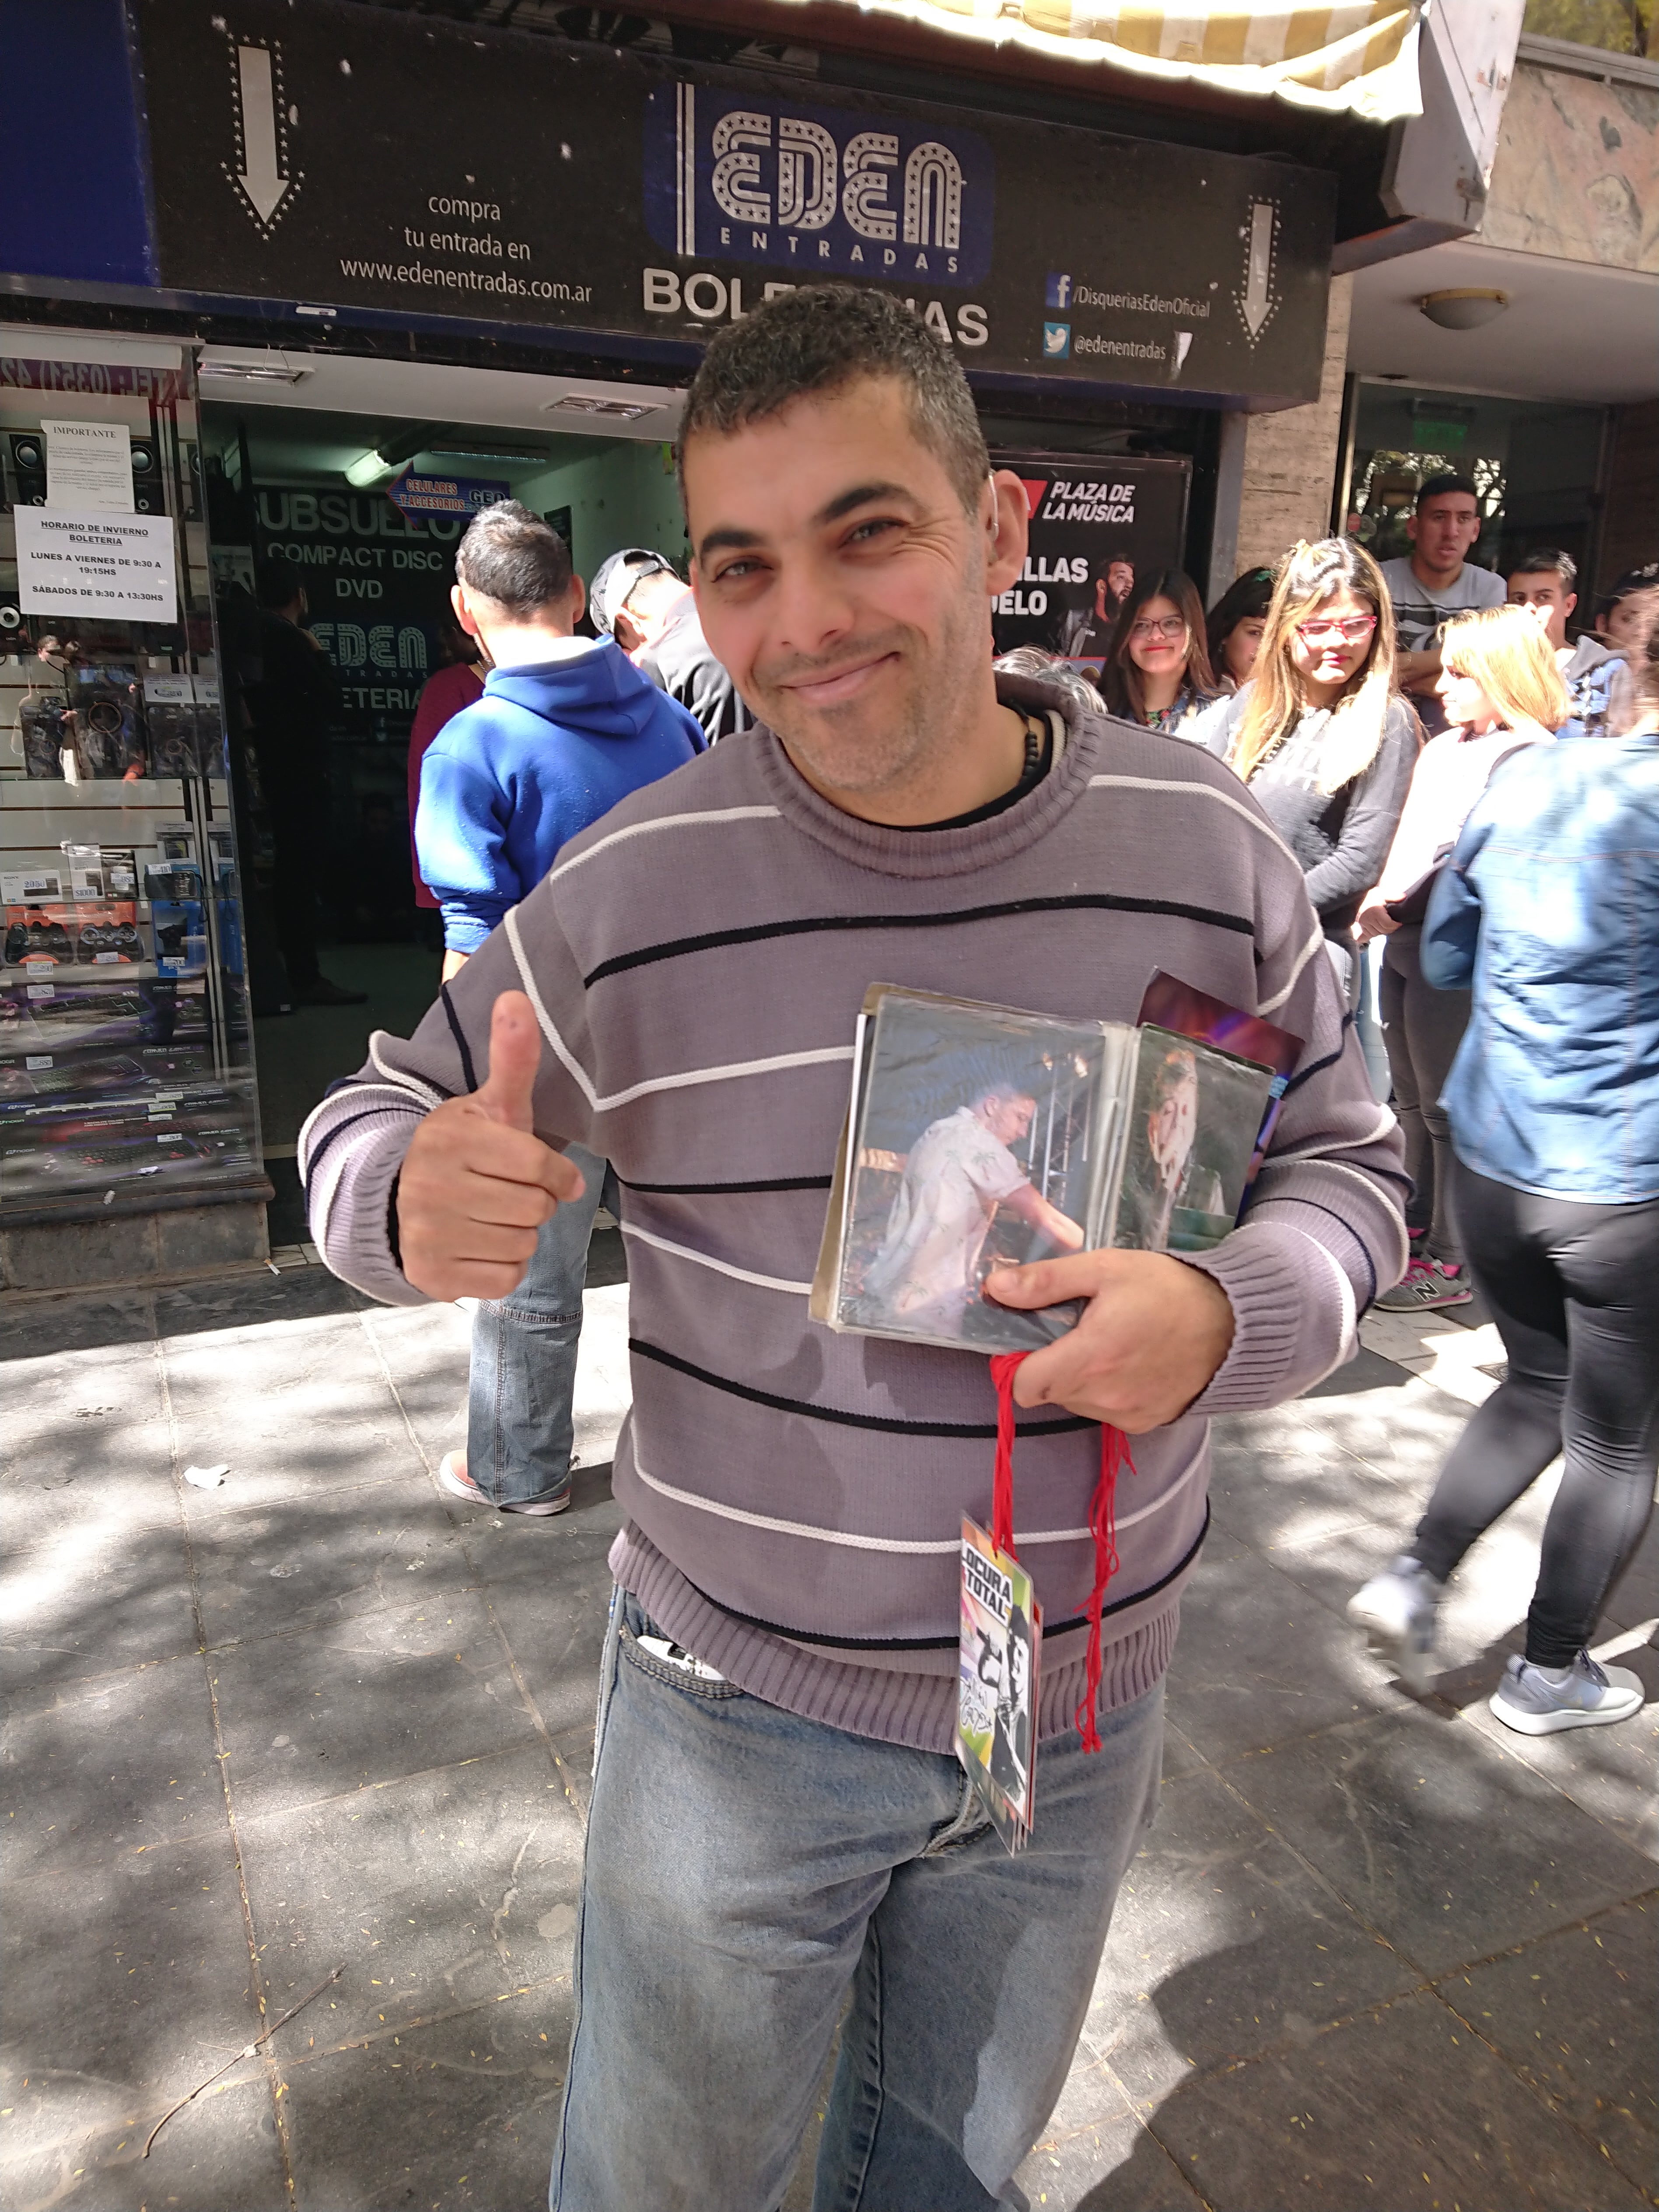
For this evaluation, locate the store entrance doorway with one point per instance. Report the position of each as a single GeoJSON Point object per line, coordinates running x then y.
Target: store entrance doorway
{"type": "Point", "coordinates": [345, 516]}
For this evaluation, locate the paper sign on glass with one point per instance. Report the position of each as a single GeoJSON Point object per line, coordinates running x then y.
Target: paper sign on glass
{"type": "Point", "coordinates": [88, 466]}
{"type": "Point", "coordinates": [96, 563]}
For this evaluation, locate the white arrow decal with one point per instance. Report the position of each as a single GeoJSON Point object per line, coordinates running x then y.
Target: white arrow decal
{"type": "Point", "coordinates": [258, 176]}
{"type": "Point", "coordinates": [1256, 305]}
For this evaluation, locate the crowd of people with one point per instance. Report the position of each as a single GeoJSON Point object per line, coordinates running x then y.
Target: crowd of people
{"type": "Point", "coordinates": [1348, 791]}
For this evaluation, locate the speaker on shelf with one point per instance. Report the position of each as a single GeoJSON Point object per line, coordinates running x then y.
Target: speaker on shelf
{"type": "Point", "coordinates": [28, 467]}
{"type": "Point", "coordinates": [147, 497]}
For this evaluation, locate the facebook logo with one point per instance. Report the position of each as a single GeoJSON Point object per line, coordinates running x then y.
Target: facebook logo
{"type": "Point", "coordinates": [1059, 291]}
{"type": "Point", "coordinates": [1056, 341]}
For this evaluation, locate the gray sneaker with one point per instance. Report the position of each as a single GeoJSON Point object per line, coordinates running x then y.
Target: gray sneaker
{"type": "Point", "coordinates": [1396, 1610]}
{"type": "Point", "coordinates": [1428, 1286]}
{"type": "Point", "coordinates": [1592, 1696]}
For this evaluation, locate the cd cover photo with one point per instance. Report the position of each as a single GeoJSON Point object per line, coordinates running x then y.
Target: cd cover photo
{"type": "Point", "coordinates": [980, 1136]}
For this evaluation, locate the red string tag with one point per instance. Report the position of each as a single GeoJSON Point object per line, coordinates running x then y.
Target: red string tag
{"type": "Point", "coordinates": [1102, 1522]}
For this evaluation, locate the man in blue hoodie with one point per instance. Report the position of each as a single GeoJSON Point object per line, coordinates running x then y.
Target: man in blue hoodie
{"type": "Point", "coordinates": [566, 727]}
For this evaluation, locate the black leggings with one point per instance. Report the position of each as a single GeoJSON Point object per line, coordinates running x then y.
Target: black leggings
{"type": "Point", "coordinates": [1574, 1291]}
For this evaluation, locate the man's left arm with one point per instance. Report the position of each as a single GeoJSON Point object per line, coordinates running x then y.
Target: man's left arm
{"type": "Point", "coordinates": [1276, 1304]}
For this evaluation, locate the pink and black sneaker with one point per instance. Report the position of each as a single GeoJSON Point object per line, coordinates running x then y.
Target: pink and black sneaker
{"type": "Point", "coordinates": [1429, 1283]}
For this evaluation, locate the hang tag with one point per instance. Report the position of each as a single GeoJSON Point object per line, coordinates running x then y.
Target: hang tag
{"type": "Point", "coordinates": [996, 1688]}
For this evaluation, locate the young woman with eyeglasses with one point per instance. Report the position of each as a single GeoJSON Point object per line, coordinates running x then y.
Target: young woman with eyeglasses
{"type": "Point", "coordinates": [1319, 734]}
{"type": "Point", "coordinates": [1157, 664]}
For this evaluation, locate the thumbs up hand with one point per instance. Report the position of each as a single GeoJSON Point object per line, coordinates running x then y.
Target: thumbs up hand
{"type": "Point", "coordinates": [476, 1183]}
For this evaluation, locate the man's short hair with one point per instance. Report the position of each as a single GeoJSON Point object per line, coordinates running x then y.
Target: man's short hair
{"type": "Point", "coordinates": [277, 584]}
{"type": "Point", "coordinates": [818, 339]}
{"type": "Point", "coordinates": [1434, 487]}
{"type": "Point", "coordinates": [1548, 561]}
{"type": "Point", "coordinates": [512, 556]}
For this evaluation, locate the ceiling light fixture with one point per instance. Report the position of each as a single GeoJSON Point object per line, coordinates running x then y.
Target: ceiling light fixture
{"type": "Point", "coordinates": [612, 411]}
{"type": "Point", "coordinates": [1466, 308]}
{"type": "Point", "coordinates": [367, 470]}
{"type": "Point", "coordinates": [483, 454]}
{"type": "Point", "coordinates": [389, 456]}
{"type": "Point", "coordinates": [249, 372]}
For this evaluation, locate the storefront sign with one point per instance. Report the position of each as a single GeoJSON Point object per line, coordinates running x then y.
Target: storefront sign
{"type": "Point", "coordinates": [120, 566]}
{"type": "Point", "coordinates": [377, 585]}
{"type": "Point", "coordinates": [1095, 526]}
{"type": "Point", "coordinates": [462, 496]}
{"type": "Point", "coordinates": [403, 165]}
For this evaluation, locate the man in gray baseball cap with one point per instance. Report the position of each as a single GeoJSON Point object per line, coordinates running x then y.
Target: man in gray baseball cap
{"type": "Point", "coordinates": [638, 598]}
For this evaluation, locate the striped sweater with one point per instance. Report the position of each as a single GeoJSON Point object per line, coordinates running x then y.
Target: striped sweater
{"type": "Point", "coordinates": [696, 961]}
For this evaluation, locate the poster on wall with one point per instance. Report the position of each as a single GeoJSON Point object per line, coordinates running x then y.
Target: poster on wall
{"type": "Point", "coordinates": [347, 158]}
{"type": "Point", "coordinates": [1097, 522]}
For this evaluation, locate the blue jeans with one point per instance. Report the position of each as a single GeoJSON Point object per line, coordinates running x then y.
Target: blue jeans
{"type": "Point", "coordinates": [745, 1871]}
{"type": "Point", "coordinates": [519, 1416]}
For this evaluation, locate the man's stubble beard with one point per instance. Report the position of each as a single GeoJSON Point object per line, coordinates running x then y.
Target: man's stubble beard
{"type": "Point", "coordinates": [919, 732]}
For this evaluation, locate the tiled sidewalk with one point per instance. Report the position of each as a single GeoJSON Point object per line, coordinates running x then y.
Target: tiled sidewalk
{"type": "Point", "coordinates": [1377, 1953]}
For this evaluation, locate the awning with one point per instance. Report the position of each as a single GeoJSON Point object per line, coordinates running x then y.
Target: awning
{"type": "Point", "coordinates": [1358, 57]}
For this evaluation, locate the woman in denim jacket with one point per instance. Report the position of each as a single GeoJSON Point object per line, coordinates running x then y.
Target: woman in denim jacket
{"type": "Point", "coordinates": [1550, 910]}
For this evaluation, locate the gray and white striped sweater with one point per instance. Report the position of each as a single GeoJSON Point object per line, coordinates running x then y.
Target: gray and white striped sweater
{"type": "Point", "coordinates": [696, 961]}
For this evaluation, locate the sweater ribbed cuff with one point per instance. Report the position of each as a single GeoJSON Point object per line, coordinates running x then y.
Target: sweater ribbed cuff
{"type": "Point", "coordinates": [351, 1195]}
{"type": "Point", "coordinates": [1272, 1289]}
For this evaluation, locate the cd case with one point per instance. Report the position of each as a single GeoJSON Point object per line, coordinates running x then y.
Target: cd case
{"type": "Point", "coordinates": [979, 1136]}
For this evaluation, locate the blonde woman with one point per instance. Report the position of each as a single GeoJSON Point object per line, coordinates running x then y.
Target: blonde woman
{"type": "Point", "coordinates": [1555, 1115]}
{"type": "Point", "coordinates": [1318, 733]}
{"type": "Point", "coordinates": [1501, 691]}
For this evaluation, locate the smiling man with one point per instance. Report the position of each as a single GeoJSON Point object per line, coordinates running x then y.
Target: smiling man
{"type": "Point", "coordinates": [781, 1840]}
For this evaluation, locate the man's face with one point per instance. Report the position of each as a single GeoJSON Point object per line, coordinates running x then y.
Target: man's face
{"type": "Point", "coordinates": [1442, 530]}
{"type": "Point", "coordinates": [1171, 1127]}
{"type": "Point", "coordinates": [1007, 1115]}
{"type": "Point", "coordinates": [842, 585]}
{"type": "Point", "coordinates": [1545, 598]}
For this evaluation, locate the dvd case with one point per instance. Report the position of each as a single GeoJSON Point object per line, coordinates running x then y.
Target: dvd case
{"type": "Point", "coordinates": [979, 1136]}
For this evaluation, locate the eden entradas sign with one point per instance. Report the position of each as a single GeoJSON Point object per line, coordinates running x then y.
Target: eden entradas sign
{"type": "Point", "coordinates": [349, 158]}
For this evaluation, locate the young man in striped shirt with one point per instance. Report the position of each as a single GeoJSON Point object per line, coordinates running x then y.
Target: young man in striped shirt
{"type": "Point", "coordinates": [777, 1816]}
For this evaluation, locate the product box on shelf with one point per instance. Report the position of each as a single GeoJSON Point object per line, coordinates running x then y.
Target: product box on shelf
{"type": "Point", "coordinates": [102, 933]}
{"type": "Point", "coordinates": [179, 929]}
{"type": "Point", "coordinates": [104, 728]}
{"type": "Point", "coordinates": [63, 1012]}
{"type": "Point", "coordinates": [182, 713]}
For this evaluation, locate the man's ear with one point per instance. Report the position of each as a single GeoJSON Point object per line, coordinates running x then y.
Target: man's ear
{"type": "Point", "coordinates": [464, 613]}
{"type": "Point", "coordinates": [577, 599]}
{"type": "Point", "coordinates": [1568, 605]}
{"type": "Point", "coordinates": [1006, 519]}
{"type": "Point", "coordinates": [1411, 526]}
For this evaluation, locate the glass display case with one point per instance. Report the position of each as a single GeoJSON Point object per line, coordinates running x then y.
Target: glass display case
{"type": "Point", "coordinates": [126, 1070]}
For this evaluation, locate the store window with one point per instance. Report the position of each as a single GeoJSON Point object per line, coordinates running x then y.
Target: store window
{"type": "Point", "coordinates": [1534, 465]}
{"type": "Point", "coordinates": [125, 1064]}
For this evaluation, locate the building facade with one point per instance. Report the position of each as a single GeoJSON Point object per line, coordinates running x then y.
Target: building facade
{"type": "Point", "coordinates": [329, 276]}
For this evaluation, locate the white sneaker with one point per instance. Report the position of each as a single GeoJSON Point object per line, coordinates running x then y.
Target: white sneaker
{"type": "Point", "coordinates": [1530, 1700]}
{"type": "Point", "coordinates": [1396, 1610]}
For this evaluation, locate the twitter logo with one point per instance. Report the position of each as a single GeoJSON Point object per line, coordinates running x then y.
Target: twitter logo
{"type": "Point", "coordinates": [1059, 291]}
{"type": "Point", "coordinates": [1056, 341]}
